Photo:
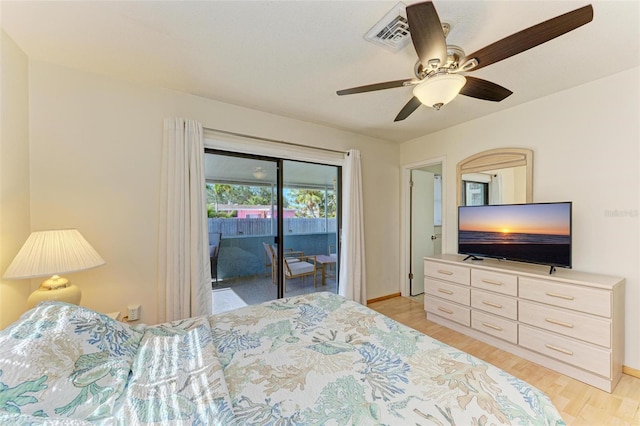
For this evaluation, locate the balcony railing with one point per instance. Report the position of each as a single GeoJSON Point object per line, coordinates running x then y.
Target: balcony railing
{"type": "Point", "coordinates": [241, 252]}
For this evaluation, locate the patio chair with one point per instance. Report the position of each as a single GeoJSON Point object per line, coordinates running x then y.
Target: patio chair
{"type": "Point", "coordinates": [214, 250]}
{"type": "Point", "coordinates": [268, 258]}
{"type": "Point", "coordinates": [299, 268]}
{"type": "Point", "coordinates": [271, 253]}
{"type": "Point", "coordinates": [213, 258]}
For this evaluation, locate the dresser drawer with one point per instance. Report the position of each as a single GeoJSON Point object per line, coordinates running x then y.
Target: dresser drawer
{"type": "Point", "coordinates": [498, 304]}
{"type": "Point", "coordinates": [496, 326]}
{"type": "Point", "coordinates": [573, 324]}
{"type": "Point", "coordinates": [572, 352]}
{"type": "Point", "coordinates": [589, 300]}
{"type": "Point", "coordinates": [495, 281]}
{"type": "Point", "coordinates": [447, 310]}
{"type": "Point", "coordinates": [444, 271]}
{"type": "Point", "coordinates": [452, 292]}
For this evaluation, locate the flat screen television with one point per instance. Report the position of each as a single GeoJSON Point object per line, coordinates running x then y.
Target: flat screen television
{"type": "Point", "coordinates": [534, 233]}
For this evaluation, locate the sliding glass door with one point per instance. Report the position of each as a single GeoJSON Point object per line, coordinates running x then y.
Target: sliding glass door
{"type": "Point", "coordinates": [310, 226]}
{"type": "Point", "coordinates": [256, 202]}
{"type": "Point", "coordinates": [242, 209]}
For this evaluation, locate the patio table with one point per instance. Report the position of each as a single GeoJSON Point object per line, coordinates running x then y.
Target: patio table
{"type": "Point", "coordinates": [325, 263]}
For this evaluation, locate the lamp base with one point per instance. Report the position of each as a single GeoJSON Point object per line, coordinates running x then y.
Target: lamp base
{"type": "Point", "coordinates": [55, 288]}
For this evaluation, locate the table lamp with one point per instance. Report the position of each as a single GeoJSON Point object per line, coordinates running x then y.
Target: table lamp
{"type": "Point", "coordinates": [49, 253]}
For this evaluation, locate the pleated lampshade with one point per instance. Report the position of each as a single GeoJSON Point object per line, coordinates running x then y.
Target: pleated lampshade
{"type": "Point", "coordinates": [50, 253]}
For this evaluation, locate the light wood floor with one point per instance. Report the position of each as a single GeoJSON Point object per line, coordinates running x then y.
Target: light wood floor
{"type": "Point", "coordinates": [579, 403]}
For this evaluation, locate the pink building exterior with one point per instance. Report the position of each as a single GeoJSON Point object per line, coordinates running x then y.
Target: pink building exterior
{"type": "Point", "coordinates": [254, 212]}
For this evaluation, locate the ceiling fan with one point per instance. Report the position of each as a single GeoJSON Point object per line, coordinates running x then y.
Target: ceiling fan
{"type": "Point", "coordinates": [438, 70]}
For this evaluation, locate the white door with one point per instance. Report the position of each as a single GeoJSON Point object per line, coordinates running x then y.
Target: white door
{"type": "Point", "coordinates": [422, 231]}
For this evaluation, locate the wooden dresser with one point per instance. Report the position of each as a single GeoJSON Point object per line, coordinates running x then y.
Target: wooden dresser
{"type": "Point", "coordinates": [568, 321]}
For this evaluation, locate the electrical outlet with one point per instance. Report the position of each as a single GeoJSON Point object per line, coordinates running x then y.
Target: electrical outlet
{"type": "Point", "coordinates": [134, 312]}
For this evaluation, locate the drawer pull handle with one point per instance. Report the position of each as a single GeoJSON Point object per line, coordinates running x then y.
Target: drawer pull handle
{"type": "Point", "coordinates": [560, 296]}
{"type": "Point", "coordinates": [564, 324]}
{"type": "Point", "coordinates": [555, 348]}
{"type": "Point", "coordinates": [495, 327]}
{"type": "Point", "coordinates": [486, 281]}
{"type": "Point", "coordinates": [445, 291]}
{"type": "Point", "coordinates": [446, 311]}
{"type": "Point", "coordinates": [442, 271]}
{"type": "Point", "coordinates": [495, 305]}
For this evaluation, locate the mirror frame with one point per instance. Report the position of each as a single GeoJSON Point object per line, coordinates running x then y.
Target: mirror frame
{"type": "Point", "coordinates": [494, 159]}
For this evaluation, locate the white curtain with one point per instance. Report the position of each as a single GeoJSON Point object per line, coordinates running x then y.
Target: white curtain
{"type": "Point", "coordinates": [352, 263]}
{"type": "Point", "coordinates": [184, 271]}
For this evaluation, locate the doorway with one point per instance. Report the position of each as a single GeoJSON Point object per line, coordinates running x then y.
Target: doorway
{"type": "Point", "coordinates": [255, 203]}
{"type": "Point", "coordinates": [422, 221]}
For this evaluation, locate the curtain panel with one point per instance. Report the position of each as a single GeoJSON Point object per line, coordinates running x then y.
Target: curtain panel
{"type": "Point", "coordinates": [352, 279]}
{"type": "Point", "coordinates": [184, 271]}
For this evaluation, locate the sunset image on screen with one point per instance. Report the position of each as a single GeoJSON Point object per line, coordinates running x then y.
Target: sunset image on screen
{"type": "Point", "coordinates": [546, 219]}
{"type": "Point", "coordinates": [538, 233]}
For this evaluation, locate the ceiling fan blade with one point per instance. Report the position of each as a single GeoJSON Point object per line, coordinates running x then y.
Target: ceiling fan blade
{"type": "Point", "coordinates": [483, 89]}
{"type": "Point", "coordinates": [531, 37]}
{"type": "Point", "coordinates": [408, 109]}
{"type": "Point", "coordinates": [426, 33]}
{"type": "Point", "coordinates": [374, 87]}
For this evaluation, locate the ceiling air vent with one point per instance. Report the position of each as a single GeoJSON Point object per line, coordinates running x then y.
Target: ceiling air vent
{"type": "Point", "coordinates": [392, 31]}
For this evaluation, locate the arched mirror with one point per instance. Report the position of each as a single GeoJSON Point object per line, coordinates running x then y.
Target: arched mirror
{"type": "Point", "coordinates": [497, 176]}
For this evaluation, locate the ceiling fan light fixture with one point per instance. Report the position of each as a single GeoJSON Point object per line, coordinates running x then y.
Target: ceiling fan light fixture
{"type": "Point", "coordinates": [439, 90]}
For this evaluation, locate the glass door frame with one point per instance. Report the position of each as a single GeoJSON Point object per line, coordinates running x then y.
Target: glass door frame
{"type": "Point", "coordinates": [278, 198]}
{"type": "Point", "coordinates": [279, 237]}
{"type": "Point", "coordinates": [337, 185]}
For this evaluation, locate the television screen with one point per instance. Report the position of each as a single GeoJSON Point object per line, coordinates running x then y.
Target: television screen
{"type": "Point", "coordinates": [534, 233]}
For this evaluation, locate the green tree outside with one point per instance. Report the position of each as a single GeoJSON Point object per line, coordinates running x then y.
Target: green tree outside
{"type": "Point", "coordinates": [309, 203]}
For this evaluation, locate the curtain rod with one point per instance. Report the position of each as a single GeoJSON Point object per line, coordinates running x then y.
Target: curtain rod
{"type": "Point", "coordinates": [260, 138]}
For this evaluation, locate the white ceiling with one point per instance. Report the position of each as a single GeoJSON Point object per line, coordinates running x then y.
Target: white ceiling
{"type": "Point", "coordinates": [290, 57]}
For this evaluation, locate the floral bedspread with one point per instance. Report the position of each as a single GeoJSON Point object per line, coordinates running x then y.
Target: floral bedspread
{"type": "Point", "coordinates": [322, 359]}
{"type": "Point", "coordinates": [313, 359]}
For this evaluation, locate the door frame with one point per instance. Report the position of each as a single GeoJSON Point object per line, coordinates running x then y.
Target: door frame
{"type": "Point", "coordinates": [422, 201]}
{"type": "Point", "coordinates": [213, 147]}
{"type": "Point", "coordinates": [405, 216]}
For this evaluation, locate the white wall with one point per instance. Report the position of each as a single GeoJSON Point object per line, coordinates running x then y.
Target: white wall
{"type": "Point", "coordinates": [95, 165]}
{"type": "Point", "coordinates": [586, 150]}
{"type": "Point", "coordinates": [14, 173]}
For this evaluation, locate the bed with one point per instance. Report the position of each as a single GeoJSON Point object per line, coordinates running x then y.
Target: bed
{"type": "Point", "coordinates": [312, 359]}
